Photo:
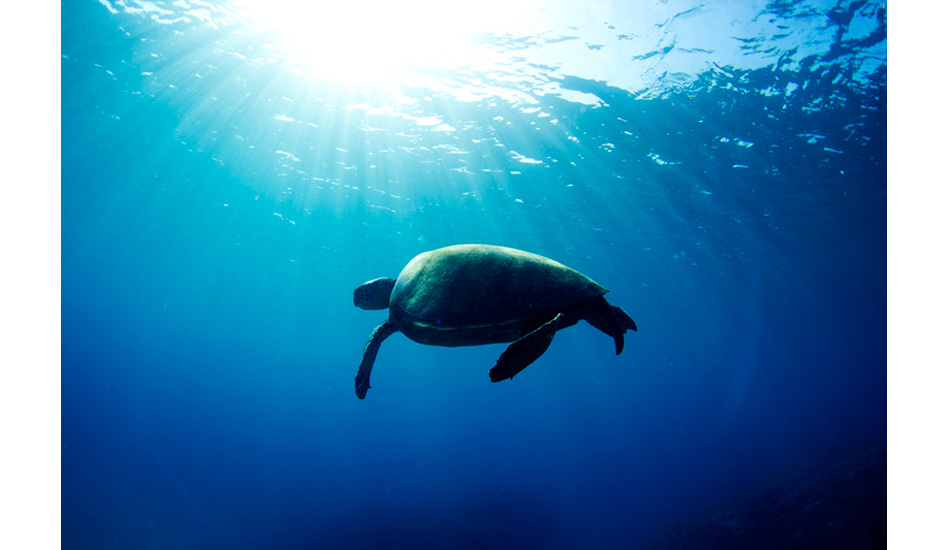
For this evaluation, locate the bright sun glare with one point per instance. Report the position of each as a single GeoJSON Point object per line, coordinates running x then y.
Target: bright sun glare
{"type": "Point", "coordinates": [370, 41]}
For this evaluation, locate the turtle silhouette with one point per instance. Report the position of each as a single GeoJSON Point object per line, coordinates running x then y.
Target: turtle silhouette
{"type": "Point", "coordinates": [470, 295]}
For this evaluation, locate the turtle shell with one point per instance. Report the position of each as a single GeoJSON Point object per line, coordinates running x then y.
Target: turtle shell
{"type": "Point", "coordinates": [475, 294]}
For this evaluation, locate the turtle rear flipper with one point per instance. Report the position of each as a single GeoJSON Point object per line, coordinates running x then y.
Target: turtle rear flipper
{"type": "Point", "coordinates": [525, 351]}
{"type": "Point", "coordinates": [625, 320]}
{"type": "Point", "coordinates": [610, 320]}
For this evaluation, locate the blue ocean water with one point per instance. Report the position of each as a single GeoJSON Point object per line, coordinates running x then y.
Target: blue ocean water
{"type": "Point", "coordinates": [719, 166]}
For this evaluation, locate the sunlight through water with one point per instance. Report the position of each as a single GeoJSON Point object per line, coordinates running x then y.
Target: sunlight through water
{"type": "Point", "coordinates": [518, 50]}
{"type": "Point", "coordinates": [374, 42]}
{"type": "Point", "coordinates": [321, 103]}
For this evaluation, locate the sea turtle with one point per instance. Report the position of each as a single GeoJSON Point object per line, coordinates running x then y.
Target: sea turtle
{"type": "Point", "coordinates": [468, 295]}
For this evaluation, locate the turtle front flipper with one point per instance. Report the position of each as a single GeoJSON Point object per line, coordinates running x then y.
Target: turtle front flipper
{"type": "Point", "coordinates": [376, 338]}
{"type": "Point", "coordinates": [525, 351]}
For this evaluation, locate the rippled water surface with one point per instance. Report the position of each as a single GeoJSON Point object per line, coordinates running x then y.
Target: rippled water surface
{"type": "Point", "coordinates": [231, 171]}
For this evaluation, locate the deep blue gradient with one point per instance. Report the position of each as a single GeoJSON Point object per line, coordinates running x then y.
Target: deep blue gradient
{"type": "Point", "coordinates": [219, 206]}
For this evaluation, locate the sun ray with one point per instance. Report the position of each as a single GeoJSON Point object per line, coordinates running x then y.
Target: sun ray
{"type": "Point", "coordinates": [371, 42]}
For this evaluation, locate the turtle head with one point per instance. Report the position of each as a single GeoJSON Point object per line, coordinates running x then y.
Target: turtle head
{"type": "Point", "coordinates": [374, 294]}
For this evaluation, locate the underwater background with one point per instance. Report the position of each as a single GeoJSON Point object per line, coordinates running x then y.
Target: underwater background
{"type": "Point", "coordinates": [231, 173]}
